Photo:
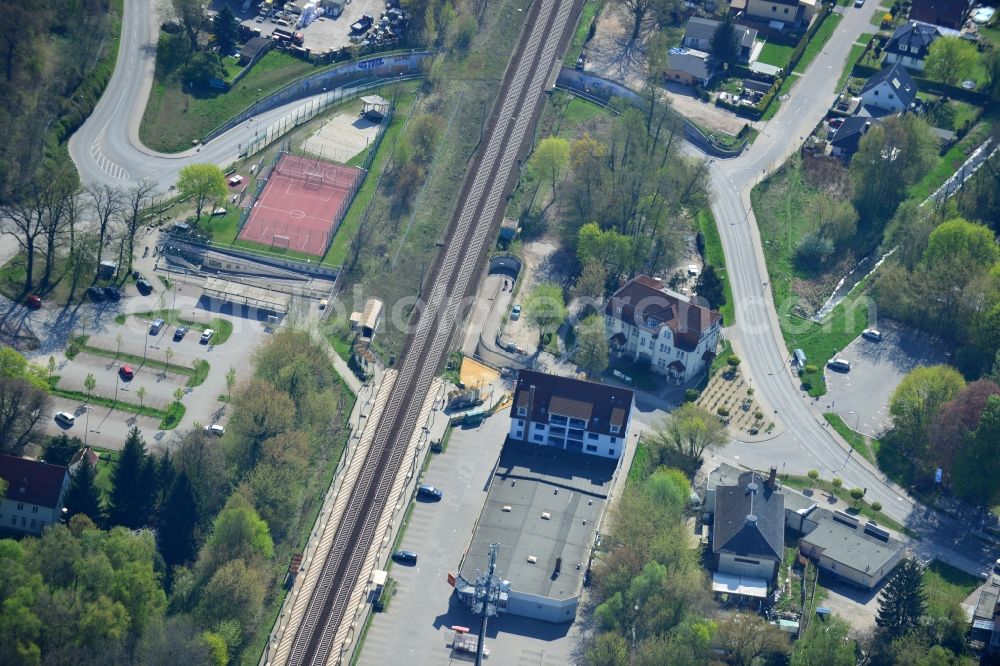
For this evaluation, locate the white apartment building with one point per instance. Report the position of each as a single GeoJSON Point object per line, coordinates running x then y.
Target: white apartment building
{"type": "Point", "coordinates": [34, 496]}
{"type": "Point", "coordinates": [570, 414]}
{"type": "Point", "coordinates": [646, 321]}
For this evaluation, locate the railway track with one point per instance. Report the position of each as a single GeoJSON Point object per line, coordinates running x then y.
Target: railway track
{"type": "Point", "coordinates": [453, 275]}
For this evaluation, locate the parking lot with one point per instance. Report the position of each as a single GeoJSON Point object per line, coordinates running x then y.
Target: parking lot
{"type": "Point", "coordinates": [321, 35]}
{"type": "Point", "coordinates": [861, 396]}
{"type": "Point", "coordinates": [159, 385]}
{"type": "Point", "coordinates": [416, 628]}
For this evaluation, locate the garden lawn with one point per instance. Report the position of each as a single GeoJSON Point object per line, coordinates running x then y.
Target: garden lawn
{"type": "Point", "coordinates": [176, 115]}
{"type": "Point", "coordinates": [945, 585]}
{"type": "Point", "coordinates": [775, 54]}
{"type": "Point", "coordinates": [715, 257]}
{"type": "Point", "coordinates": [815, 44]}
{"type": "Point", "coordinates": [852, 58]}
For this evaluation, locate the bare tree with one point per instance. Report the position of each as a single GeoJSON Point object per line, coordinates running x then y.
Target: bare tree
{"type": "Point", "coordinates": [638, 10]}
{"type": "Point", "coordinates": [61, 213]}
{"type": "Point", "coordinates": [107, 202]}
{"type": "Point", "coordinates": [27, 215]}
{"type": "Point", "coordinates": [136, 200]}
{"type": "Point", "coordinates": [746, 637]}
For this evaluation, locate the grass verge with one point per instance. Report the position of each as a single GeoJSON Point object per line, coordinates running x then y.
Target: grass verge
{"type": "Point", "coordinates": [196, 374]}
{"type": "Point", "coordinates": [844, 494]}
{"type": "Point", "coordinates": [716, 258]}
{"type": "Point", "coordinates": [815, 44]}
{"type": "Point", "coordinates": [168, 419]}
{"type": "Point", "coordinates": [852, 58]}
{"type": "Point", "coordinates": [223, 327]}
{"type": "Point", "coordinates": [857, 441]}
{"type": "Point", "coordinates": [587, 17]}
{"type": "Point", "coordinates": [640, 464]}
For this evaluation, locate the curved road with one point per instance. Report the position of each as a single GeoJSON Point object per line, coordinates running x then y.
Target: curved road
{"type": "Point", "coordinates": [106, 149]}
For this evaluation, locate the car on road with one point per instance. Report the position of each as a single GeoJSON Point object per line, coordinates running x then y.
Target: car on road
{"type": "Point", "coordinates": [872, 334]}
{"type": "Point", "coordinates": [65, 418]}
{"type": "Point", "coordinates": [515, 313]}
{"type": "Point", "coordinates": [839, 364]}
{"type": "Point", "coordinates": [33, 301]}
{"type": "Point", "coordinates": [859, 3]}
{"type": "Point", "coordinates": [144, 287]}
{"type": "Point", "coordinates": [95, 294]}
{"type": "Point", "coordinates": [112, 294]}
{"type": "Point", "coordinates": [154, 328]}
{"type": "Point", "coordinates": [215, 429]}
{"type": "Point", "coordinates": [206, 335]}
{"type": "Point", "coordinates": [126, 372]}
{"type": "Point", "coordinates": [405, 557]}
{"type": "Point", "coordinates": [427, 492]}
{"type": "Point", "coordinates": [180, 332]}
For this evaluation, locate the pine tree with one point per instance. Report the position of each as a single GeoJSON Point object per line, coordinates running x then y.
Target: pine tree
{"type": "Point", "coordinates": [178, 520]}
{"type": "Point", "coordinates": [60, 449]}
{"type": "Point", "coordinates": [725, 46]}
{"type": "Point", "coordinates": [165, 475]}
{"type": "Point", "coordinates": [149, 491]}
{"type": "Point", "coordinates": [83, 495]}
{"type": "Point", "coordinates": [709, 287]}
{"type": "Point", "coordinates": [126, 505]}
{"type": "Point", "coordinates": [903, 600]}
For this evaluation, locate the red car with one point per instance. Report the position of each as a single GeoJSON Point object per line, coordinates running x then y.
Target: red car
{"type": "Point", "coordinates": [126, 372]}
{"type": "Point", "coordinates": [33, 301]}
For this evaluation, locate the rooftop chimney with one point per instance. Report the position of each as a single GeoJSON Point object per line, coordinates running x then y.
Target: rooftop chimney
{"type": "Point", "coordinates": [771, 477]}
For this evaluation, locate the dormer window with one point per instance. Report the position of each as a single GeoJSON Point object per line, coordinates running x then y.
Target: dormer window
{"type": "Point", "coordinates": [522, 411]}
{"type": "Point", "coordinates": [650, 322]}
{"type": "Point", "coordinates": [614, 429]}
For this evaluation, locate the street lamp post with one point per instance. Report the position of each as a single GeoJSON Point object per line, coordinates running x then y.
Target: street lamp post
{"type": "Point", "coordinates": [86, 430]}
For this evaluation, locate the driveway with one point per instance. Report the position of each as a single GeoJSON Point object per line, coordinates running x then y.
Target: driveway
{"type": "Point", "coordinates": [415, 629]}
{"type": "Point", "coordinates": [861, 396]}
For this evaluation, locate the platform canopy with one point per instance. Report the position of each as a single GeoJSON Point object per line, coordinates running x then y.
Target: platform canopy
{"type": "Point", "coordinates": [246, 294]}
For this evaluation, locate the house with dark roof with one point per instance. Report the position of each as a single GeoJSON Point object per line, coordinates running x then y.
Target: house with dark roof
{"type": "Point", "coordinates": [253, 49]}
{"type": "Point", "coordinates": [891, 90]}
{"type": "Point", "coordinates": [909, 45]}
{"type": "Point", "coordinates": [647, 322]}
{"type": "Point", "coordinates": [35, 492]}
{"type": "Point", "coordinates": [946, 13]}
{"type": "Point", "coordinates": [699, 32]}
{"type": "Point", "coordinates": [847, 138]}
{"type": "Point", "coordinates": [689, 66]}
{"type": "Point", "coordinates": [748, 528]}
{"type": "Point", "coordinates": [570, 414]}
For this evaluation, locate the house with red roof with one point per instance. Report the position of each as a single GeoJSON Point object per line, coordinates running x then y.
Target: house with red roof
{"type": "Point", "coordinates": [646, 322]}
{"type": "Point", "coordinates": [35, 491]}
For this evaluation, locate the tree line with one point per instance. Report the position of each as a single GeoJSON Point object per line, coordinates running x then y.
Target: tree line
{"type": "Point", "coordinates": [212, 521]}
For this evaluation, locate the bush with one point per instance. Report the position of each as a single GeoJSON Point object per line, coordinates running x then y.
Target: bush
{"type": "Point", "coordinates": [813, 474]}
{"type": "Point", "coordinates": [691, 395]}
{"type": "Point", "coordinates": [813, 249]}
{"type": "Point", "coordinates": [811, 370]}
{"type": "Point", "coordinates": [722, 411]}
{"type": "Point", "coordinates": [837, 482]}
{"type": "Point", "coordinates": [733, 361]}
{"type": "Point", "coordinates": [758, 415]}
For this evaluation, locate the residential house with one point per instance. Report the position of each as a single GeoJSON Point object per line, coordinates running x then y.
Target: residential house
{"type": "Point", "coordinates": [986, 618]}
{"type": "Point", "coordinates": [648, 323]}
{"type": "Point", "coordinates": [847, 138]}
{"type": "Point", "coordinates": [35, 492]}
{"type": "Point", "coordinates": [570, 414]}
{"type": "Point", "coordinates": [863, 555]}
{"type": "Point", "coordinates": [891, 90]}
{"type": "Point", "coordinates": [909, 45]}
{"type": "Point", "coordinates": [946, 13]}
{"type": "Point", "coordinates": [699, 32]}
{"type": "Point", "coordinates": [748, 528]}
{"type": "Point", "coordinates": [689, 66]}
{"type": "Point", "coordinates": [796, 13]}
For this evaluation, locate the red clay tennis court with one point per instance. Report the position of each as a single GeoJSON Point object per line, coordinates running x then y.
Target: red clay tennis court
{"type": "Point", "coordinates": [301, 205]}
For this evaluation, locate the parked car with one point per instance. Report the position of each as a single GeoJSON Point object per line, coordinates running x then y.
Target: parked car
{"type": "Point", "coordinates": [839, 364]}
{"type": "Point", "coordinates": [215, 429]}
{"type": "Point", "coordinates": [206, 335]}
{"type": "Point", "coordinates": [126, 372]}
{"type": "Point", "coordinates": [33, 301]}
{"type": "Point", "coordinates": [136, 275]}
{"type": "Point", "coordinates": [872, 334]}
{"type": "Point", "coordinates": [180, 332]}
{"type": "Point", "coordinates": [95, 294]}
{"type": "Point", "coordinates": [155, 327]}
{"type": "Point", "coordinates": [112, 294]}
{"type": "Point", "coordinates": [427, 492]}
{"type": "Point", "coordinates": [859, 3]}
{"type": "Point", "coordinates": [515, 313]}
{"type": "Point", "coordinates": [65, 418]}
{"type": "Point", "coordinates": [144, 287]}
{"type": "Point", "coordinates": [405, 557]}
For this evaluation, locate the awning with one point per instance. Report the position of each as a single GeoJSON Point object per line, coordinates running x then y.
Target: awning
{"type": "Point", "coordinates": [742, 585]}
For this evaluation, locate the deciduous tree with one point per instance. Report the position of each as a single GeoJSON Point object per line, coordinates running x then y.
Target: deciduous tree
{"type": "Point", "coordinates": [60, 449]}
{"type": "Point", "coordinates": [825, 643]}
{"type": "Point", "coordinates": [915, 403]}
{"type": "Point", "coordinates": [22, 407]}
{"type": "Point", "coordinates": [548, 161]}
{"type": "Point", "coordinates": [956, 419]}
{"type": "Point", "coordinates": [951, 60]}
{"type": "Point", "coordinates": [891, 157]}
{"type": "Point", "coordinates": [684, 436]}
{"type": "Point", "coordinates": [545, 309]}
{"type": "Point", "coordinates": [204, 183]}
{"type": "Point", "coordinates": [976, 473]}
{"type": "Point", "coordinates": [592, 342]}
{"type": "Point", "coordinates": [747, 637]}
{"type": "Point", "coordinates": [235, 591]}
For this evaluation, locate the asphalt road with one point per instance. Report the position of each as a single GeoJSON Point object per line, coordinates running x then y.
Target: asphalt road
{"type": "Point", "coordinates": [106, 149]}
